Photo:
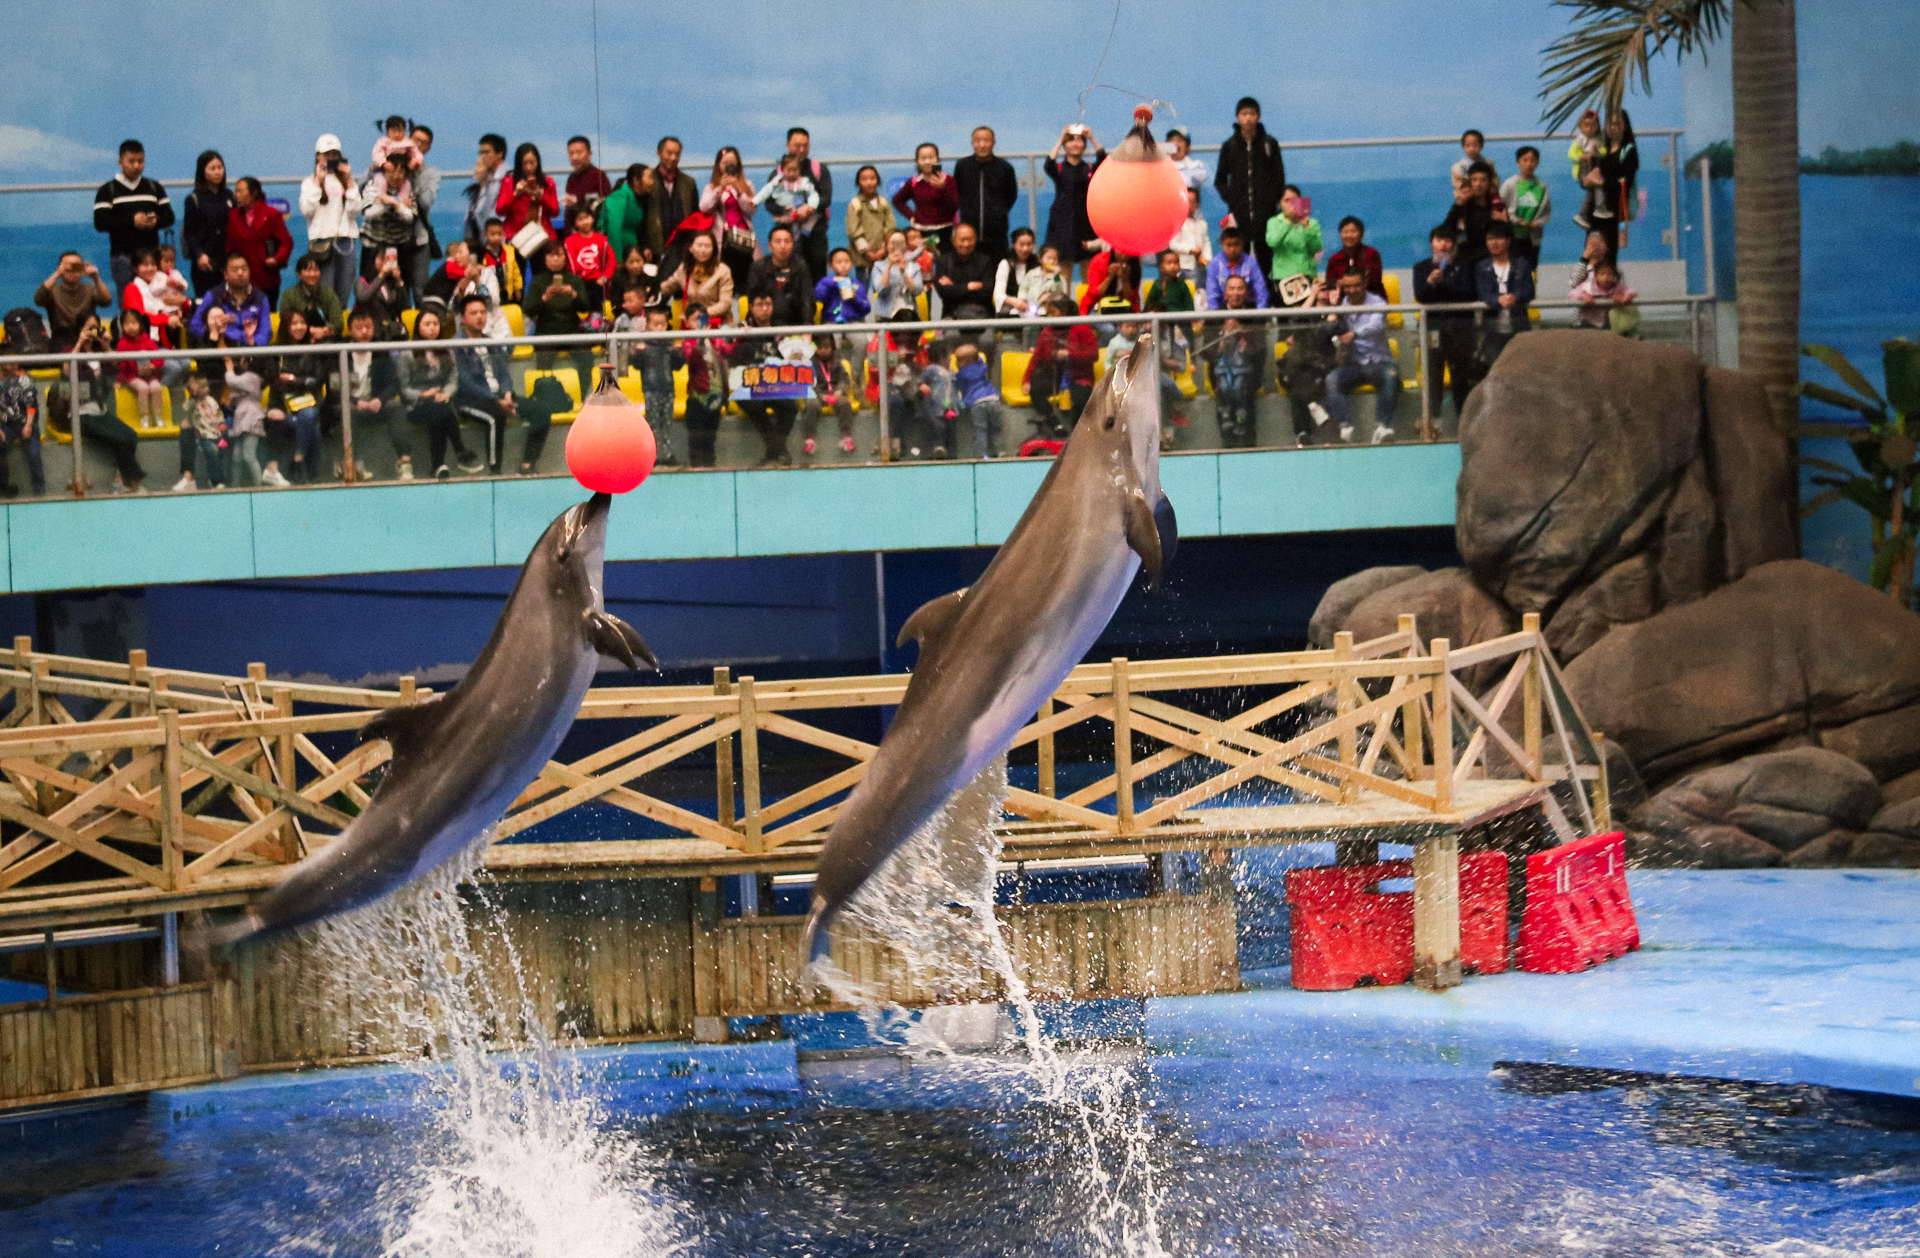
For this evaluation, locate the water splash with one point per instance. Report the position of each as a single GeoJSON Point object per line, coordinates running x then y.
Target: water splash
{"type": "Point", "coordinates": [518, 1161]}
{"type": "Point", "coordinates": [933, 903]}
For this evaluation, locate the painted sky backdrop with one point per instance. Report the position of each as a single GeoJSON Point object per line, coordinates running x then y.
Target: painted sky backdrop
{"type": "Point", "coordinates": [260, 82]}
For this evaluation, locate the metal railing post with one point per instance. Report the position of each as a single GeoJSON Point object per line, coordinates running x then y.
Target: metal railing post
{"type": "Point", "coordinates": [346, 414]}
{"type": "Point", "coordinates": [1675, 173]}
{"type": "Point", "coordinates": [886, 442]}
{"type": "Point", "coordinates": [1424, 365]}
{"type": "Point", "coordinates": [1033, 194]}
{"type": "Point", "coordinates": [79, 485]}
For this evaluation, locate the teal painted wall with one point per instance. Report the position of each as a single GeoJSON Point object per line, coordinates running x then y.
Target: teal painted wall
{"type": "Point", "coordinates": [234, 535]}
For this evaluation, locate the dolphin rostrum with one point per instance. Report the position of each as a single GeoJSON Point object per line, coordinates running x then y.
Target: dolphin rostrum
{"type": "Point", "coordinates": [991, 652]}
{"type": "Point", "coordinates": [461, 759]}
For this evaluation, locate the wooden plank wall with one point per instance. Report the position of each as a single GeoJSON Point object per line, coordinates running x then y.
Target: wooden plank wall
{"type": "Point", "coordinates": [98, 1045]}
{"type": "Point", "coordinates": [103, 967]}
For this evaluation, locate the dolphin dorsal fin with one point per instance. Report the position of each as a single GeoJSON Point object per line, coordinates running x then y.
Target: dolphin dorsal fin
{"type": "Point", "coordinates": [405, 726]}
{"type": "Point", "coordinates": [929, 625]}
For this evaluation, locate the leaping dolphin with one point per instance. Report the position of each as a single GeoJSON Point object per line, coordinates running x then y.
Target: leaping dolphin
{"type": "Point", "coordinates": [461, 759]}
{"type": "Point", "coordinates": [991, 652]}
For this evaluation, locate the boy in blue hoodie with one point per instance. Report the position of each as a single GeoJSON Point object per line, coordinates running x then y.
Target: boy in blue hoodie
{"type": "Point", "coordinates": [978, 398]}
{"type": "Point", "coordinates": [842, 297]}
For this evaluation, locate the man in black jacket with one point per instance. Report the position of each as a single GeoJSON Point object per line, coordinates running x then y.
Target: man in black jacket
{"type": "Point", "coordinates": [988, 188]}
{"type": "Point", "coordinates": [782, 276]}
{"type": "Point", "coordinates": [1251, 177]}
{"type": "Point", "coordinates": [132, 210]}
{"type": "Point", "coordinates": [1439, 280]}
{"type": "Point", "coordinates": [674, 196]}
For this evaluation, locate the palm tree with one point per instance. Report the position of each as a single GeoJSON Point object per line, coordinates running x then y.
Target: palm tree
{"type": "Point", "coordinates": [1596, 62]}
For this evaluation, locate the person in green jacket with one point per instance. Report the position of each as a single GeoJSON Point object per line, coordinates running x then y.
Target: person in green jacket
{"type": "Point", "coordinates": [312, 298]}
{"type": "Point", "coordinates": [1170, 293]}
{"type": "Point", "coordinates": [623, 216]}
{"type": "Point", "coordinates": [556, 301]}
{"type": "Point", "coordinates": [1296, 240]}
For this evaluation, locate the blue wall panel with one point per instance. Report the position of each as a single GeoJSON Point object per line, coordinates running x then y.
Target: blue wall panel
{"type": "Point", "coordinates": [1192, 484]}
{"type": "Point", "coordinates": [915, 507]}
{"type": "Point", "coordinates": [372, 528]}
{"type": "Point", "coordinates": [131, 540]}
{"type": "Point", "coordinates": [674, 515]}
{"type": "Point", "coordinates": [1336, 488]}
{"type": "Point", "coordinates": [1001, 491]}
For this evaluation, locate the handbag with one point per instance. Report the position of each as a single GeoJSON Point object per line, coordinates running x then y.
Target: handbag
{"type": "Point", "coordinates": [529, 238]}
{"type": "Point", "coordinates": [321, 250]}
{"type": "Point", "coordinates": [739, 239]}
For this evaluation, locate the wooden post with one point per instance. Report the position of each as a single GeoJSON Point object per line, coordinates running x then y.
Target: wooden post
{"type": "Point", "coordinates": [703, 927]}
{"type": "Point", "coordinates": [1442, 729]}
{"type": "Point", "coordinates": [1602, 793]}
{"type": "Point", "coordinates": [225, 1023]}
{"type": "Point", "coordinates": [290, 844]}
{"type": "Point", "coordinates": [723, 756]}
{"type": "Point", "coordinates": [1436, 912]}
{"type": "Point", "coordinates": [1346, 698]}
{"type": "Point", "coordinates": [409, 689]}
{"type": "Point", "coordinates": [1122, 744]}
{"type": "Point", "coordinates": [1412, 729]}
{"type": "Point", "coordinates": [136, 664]}
{"type": "Point", "coordinates": [1046, 751]}
{"type": "Point", "coordinates": [1530, 691]}
{"type": "Point", "coordinates": [171, 830]}
{"type": "Point", "coordinates": [53, 969]}
{"type": "Point", "coordinates": [750, 768]}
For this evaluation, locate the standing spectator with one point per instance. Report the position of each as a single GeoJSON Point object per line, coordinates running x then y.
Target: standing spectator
{"type": "Point", "coordinates": [1236, 357]}
{"type": "Point", "coordinates": [773, 419]}
{"type": "Point", "coordinates": [311, 296]}
{"type": "Point", "coordinates": [988, 188]}
{"type": "Point", "coordinates": [964, 277]}
{"type": "Point", "coordinates": [1472, 145]}
{"type": "Point", "coordinates": [841, 296]}
{"type": "Point", "coordinates": [1505, 288]}
{"type": "Point", "coordinates": [1613, 179]}
{"type": "Point", "coordinates": [203, 226]}
{"type": "Point", "coordinates": [1365, 358]}
{"type": "Point", "coordinates": [1441, 280]}
{"type": "Point", "coordinates": [704, 282]}
{"type": "Point", "coordinates": [1011, 274]}
{"type": "Point", "coordinates": [330, 201]}
{"type": "Point", "coordinates": [870, 221]}
{"type": "Point", "coordinates": [246, 422]}
{"type": "Point", "coordinates": [132, 211]}
{"type": "Point", "coordinates": [730, 199]}
{"type": "Point", "coordinates": [832, 388]}
{"type": "Point", "coordinates": [672, 199]}
{"type": "Point", "coordinates": [1193, 171]}
{"type": "Point", "coordinates": [485, 390]}
{"type": "Point", "coordinates": [530, 197]}
{"type": "Point", "coordinates": [589, 256]}
{"type": "Point", "coordinates": [557, 300]}
{"type": "Point", "coordinates": [1296, 243]}
{"type": "Point", "coordinates": [931, 199]}
{"type": "Point", "coordinates": [203, 430]}
{"type": "Point", "coordinates": [1192, 242]}
{"type": "Point", "coordinates": [587, 184]}
{"type": "Point", "coordinates": [654, 361]}
{"type": "Point", "coordinates": [259, 231]}
{"type": "Point", "coordinates": [623, 215]}
{"type": "Point", "coordinates": [390, 214]}
{"type": "Point", "coordinates": [1068, 228]}
{"type": "Point", "coordinates": [70, 296]}
{"type": "Point", "coordinates": [427, 384]}
{"type": "Point", "coordinates": [489, 181]}
{"type": "Point", "coordinates": [1355, 254]}
{"type": "Point", "coordinates": [894, 282]}
{"type": "Point", "coordinates": [142, 378]}
{"type": "Point", "coordinates": [705, 360]}
{"type": "Point", "coordinates": [810, 225]}
{"type": "Point", "coordinates": [1232, 261]}
{"type": "Point", "coordinates": [1476, 207]}
{"type": "Point", "coordinates": [383, 295]}
{"type": "Point", "coordinates": [426, 190]}
{"type": "Point", "coordinates": [20, 422]}
{"type": "Point", "coordinates": [1250, 178]}
{"type": "Point", "coordinates": [782, 277]}
{"type": "Point", "coordinates": [978, 398]}
{"type": "Point", "coordinates": [1529, 204]}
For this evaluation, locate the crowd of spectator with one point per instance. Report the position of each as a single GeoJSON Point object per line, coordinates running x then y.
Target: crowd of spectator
{"type": "Point", "coordinates": [662, 248]}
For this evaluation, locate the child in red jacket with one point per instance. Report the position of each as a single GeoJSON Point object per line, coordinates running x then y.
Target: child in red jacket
{"type": "Point", "coordinates": [136, 334]}
{"type": "Point", "coordinates": [590, 256]}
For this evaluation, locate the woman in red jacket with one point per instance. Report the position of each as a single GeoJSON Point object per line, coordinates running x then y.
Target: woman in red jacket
{"type": "Point", "coordinates": [259, 231]}
{"type": "Point", "coordinates": [529, 197]}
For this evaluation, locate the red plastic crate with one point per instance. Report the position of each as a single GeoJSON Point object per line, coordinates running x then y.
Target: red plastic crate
{"type": "Point", "coordinates": [1344, 930]}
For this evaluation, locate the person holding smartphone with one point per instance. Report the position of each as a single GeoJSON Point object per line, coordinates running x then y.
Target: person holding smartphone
{"type": "Point", "coordinates": [330, 202]}
{"type": "Point", "coordinates": [1068, 228]}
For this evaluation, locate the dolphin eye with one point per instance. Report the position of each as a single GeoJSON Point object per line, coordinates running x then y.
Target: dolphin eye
{"type": "Point", "coordinates": [1107, 424]}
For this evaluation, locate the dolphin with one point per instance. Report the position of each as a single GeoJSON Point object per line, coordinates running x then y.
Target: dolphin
{"type": "Point", "coordinates": [460, 760]}
{"type": "Point", "coordinates": [990, 653]}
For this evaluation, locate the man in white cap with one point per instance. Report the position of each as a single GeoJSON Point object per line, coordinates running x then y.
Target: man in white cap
{"type": "Point", "coordinates": [330, 200]}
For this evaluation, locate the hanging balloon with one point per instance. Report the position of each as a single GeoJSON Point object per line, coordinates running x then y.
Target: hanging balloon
{"type": "Point", "coordinates": [610, 446]}
{"type": "Point", "coordinates": [1137, 199]}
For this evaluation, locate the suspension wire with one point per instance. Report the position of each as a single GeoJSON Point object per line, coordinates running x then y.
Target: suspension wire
{"type": "Point", "coordinates": [599, 144]}
{"type": "Point", "coordinates": [1097, 85]}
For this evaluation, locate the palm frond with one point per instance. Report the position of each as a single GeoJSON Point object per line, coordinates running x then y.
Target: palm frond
{"type": "Point", "coordinates": [1612, 41]}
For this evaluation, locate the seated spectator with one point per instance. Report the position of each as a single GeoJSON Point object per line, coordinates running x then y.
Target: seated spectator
{"type": "Point", "coordinates": [623, 215]}
{"type": "Point", "coordinates": [427, 386]}
{"type": "Point", "coordinates": [1192, 243]}
{"type": "Point", "coordinates": [528, 198]}
{"type": "Point", "coordinates": [832, 384]}
{"type": "Point", "coordinates": [457, 279]}
{"type": "Point", "coordinates": [295, 384]}
{"type": "Point", "coordinates": [636, 271]}
{"type": "Point", "coordinates": [1116, 292]}
{"type": "Point", "coordinates": [772, 419]}
{"type": "Point", "coordinates": [396, 140]}
{"type": "Point", "coordinates": [1068, 228]}
{"type": "Point", "coordinates": [150, 293]}
{"type": "Point", "coordinates": [485, 390]}
{"type": "Point", "coordinates": [1606, 301]}
{"type": "Point", "coordinates": [1011, 272]}
{"type": "Point", "coordinates": [259, 231]}
{"type": "Point", "coordinates": [979, 399]}
{"type": "Point", "coordinates": [730, 199]}
{"type": "Point", "coordinates": [94, 410]}
{"type": "Point", "coordinates": [1529, 204]}
{"type": "Point", "coordinates": [655, 361]}
{"type": "Point", "coordinates": [203, 222]}
{"type": "Point", "coordinates": [557, 302]}
{"type": "Point", "coordinates": [931, 199]}
{"type": "Point", "coordinates": [389, 221]}
{"type": "Point", "coordinates": [590, 256]}
{"type": "Point", "coordinates": [1193, 171]}
{"type": "Point", "coordinates": [1355, 254]}
{"type": "Point", "coordinates": [70, 296]}
{"type": "Point", "coordinates": [1233, 260]}
{"type": "Point", "coordinates": [246, 317]}
{"type": "Point", "coordinates": [782, 276]}
{"type": "Point", "coordinates": [1043, 283]}
{"type": "Point", "coordinates": [175, 294]}
{"type": "Point", "coordinates": [1472, 145]}
{"type": "Point", "coordinates": [311, 295]}
{"type": "Point", "coordinates": [1236, 353]}
{"type": "Point", "coordinates": [1365, 358]}
{"type": "Point", "coordinates": [1297, 243]}
{"type": "Point", "coordinates": [142, 378]}
{"type": "Point", "coordinates": [1476, 207]}
{"type": "Point", "coordinates": [1176, 359]}
{"type": "Point", "coordinates": [1312, 353]}
{"type": "Point", "coordinates": [1047, 369]}
{"type": "Point", "coordinates": [841, 297]}
{"type": "Point", "coordinates": [20, 422]}
{"type": "Point", "coordinates": [1505, 288]}
{"type": "Point", "coordinates": [383, 297]}
{"type": "Point", "coordinates": [1121, 343]}
{"type": "Point", "coordinates": [789, 195]}
{"type": "Point", "coordinates": [963, 277]}
{"type": "Point", "coordinates": [705, 284]}
{"type": "Point", "coordinates": [1442, 280]}
{"type": "Point", "coordinates": [373, 392]}
{"type": "Point", "coordinates": [501, 258]}
{"type": "Point", "coordinates": [587, 184]}
{"type": "Point", "coordinates": [1169, 293]}
{"type": "Point", "coordinates": [921, 256]}
{"type": "Point", "coordinates": [894, 282]}
{"type": "Point", "coordinates": [1083, 350]}
{"type": "Point", "coordinates": [870, 221]}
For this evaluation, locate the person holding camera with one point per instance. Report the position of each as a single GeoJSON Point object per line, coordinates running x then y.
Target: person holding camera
{"type": "Point", "coordinates": [527, 199]}
{"type": "Point", "coordinates": [1068, 229]}
{"type": "Point", "coordinates": [330, 202]}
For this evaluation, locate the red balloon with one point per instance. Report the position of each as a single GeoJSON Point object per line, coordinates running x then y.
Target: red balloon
{"type": "Point", "coordinates": [1137, 199]}
{"type": "Point", "coordinates": [610, 445]}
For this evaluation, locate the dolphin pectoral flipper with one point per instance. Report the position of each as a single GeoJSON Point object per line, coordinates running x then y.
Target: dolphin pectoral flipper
{"type": "Point", "coordinates": [929, 625]}
{"type": "Point", "coordinates": [612, 636]}
{"type": "Point", "coordinates": [1144, 534]}
{"type": "Point", "coordinates": [405, 727]}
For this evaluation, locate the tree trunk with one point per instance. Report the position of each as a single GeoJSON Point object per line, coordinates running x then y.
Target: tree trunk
{"type": "Point", "coordinates": [1766, 199]}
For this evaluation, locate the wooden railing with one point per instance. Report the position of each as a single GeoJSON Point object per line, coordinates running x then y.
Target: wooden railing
{"type": "Point", "coordinates": [183, 782]}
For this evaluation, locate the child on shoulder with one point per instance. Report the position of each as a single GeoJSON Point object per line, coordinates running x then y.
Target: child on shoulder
{"type": "Point", "coordinates": [1588, 147]}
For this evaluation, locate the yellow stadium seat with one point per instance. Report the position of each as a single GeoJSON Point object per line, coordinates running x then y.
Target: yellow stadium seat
{"type": "Point", "coordinates": [920, 304]}
{"type": "Point", "coordinates": [517, 324]}
{"type": "Point", "coordinates": [569, 380]}
{"type": "Point", "coordinates": [1189, 389]}
{"type": "Point", "coordinates": [1079, 294]}
{"type": "Point", "coordinates": [407, 317]}
{"type": "Point", "coordinates": [127, 407]}
{"type": "Point", "coordinates": [1013, 373]}
{"type": "Point", "coordinates": [680, 394]}
{"type": "Point", "coordinates": [274, 321]}
{"type": "Point", "coordinates": [743, 307]}
{"type": "Point", "coordinates": [1391, 283]}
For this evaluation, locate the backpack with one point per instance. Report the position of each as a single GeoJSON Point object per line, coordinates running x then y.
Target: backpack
{"type": "Point", "coordinates": [26, 332]}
